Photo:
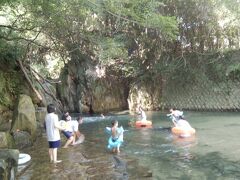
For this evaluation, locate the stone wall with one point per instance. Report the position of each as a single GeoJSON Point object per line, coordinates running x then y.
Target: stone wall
{"type": "Point", "coordinates": [190, 96]}
{"type": "Point", "coordinates": [202, 96]}
{"type": "Point", "coordinates": [203, 83]}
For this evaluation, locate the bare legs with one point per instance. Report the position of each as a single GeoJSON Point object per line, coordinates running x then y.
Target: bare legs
{"type": "Point", "coordinates": [53, 155]}
{"type": "Point", "coordinates": [116, 150]}
{"type": "Point", "coordinates": [77, 135]}
{"type": "Point", "coordinates": [69, 141]}
{"type": "Point", "coordinates": [50, 151]}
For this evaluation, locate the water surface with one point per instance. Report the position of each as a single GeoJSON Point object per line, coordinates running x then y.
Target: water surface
{"type": "Point", "coordinates": [155, 153]}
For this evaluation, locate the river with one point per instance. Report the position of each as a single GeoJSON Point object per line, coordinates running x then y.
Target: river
{"type": "Point", "coordinates": [155, 153]}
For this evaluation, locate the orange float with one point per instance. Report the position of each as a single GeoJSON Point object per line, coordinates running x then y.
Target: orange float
{"type": "Point", "coordinates": [183, 132]}
{"type": "Point", "coordinates": [145, 124]}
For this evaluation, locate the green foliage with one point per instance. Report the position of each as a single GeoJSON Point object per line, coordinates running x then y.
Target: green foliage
{"type": "Point", "coordinates": [137, 38]}
{"type": "Point", "coordinates": [111, 49]}
{"type": "Point", "coordinates": [145, 13]}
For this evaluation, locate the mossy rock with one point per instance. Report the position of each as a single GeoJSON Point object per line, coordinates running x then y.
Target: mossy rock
{"type": "Point", "coordinates": [6, 140]}
{"type": "Point", "coordinates": [24, 118]}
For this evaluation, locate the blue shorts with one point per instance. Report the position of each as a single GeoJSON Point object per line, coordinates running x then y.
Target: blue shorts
{"type": "Point", "coordinates": [54, 144]}
{"type": "Point", "coordinates": [68, 134]}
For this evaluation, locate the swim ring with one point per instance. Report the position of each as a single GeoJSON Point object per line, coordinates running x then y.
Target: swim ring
{"type": "Point", "coordinates": [113, 144]}
{"type": "Point", "coordinates": [183, 132]}
{"type": "Point", "coordinates": [141, 123]}
{"type": "Point", "coordinates": [23, 158]}
{"type": "Point", "coordinates": [63, 124]}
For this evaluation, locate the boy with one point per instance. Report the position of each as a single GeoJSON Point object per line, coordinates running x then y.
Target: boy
{"type": "Point", "coordinates": [53, 135]}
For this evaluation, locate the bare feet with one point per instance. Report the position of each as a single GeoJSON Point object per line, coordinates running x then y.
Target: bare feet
{"type": "Point", "coordinates": [65, 147]}
{"type": "Point", "coordinates": [58, 161]}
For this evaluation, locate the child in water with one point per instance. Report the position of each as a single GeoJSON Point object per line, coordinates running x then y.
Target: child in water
{"type": "Point", "coordinates": [176, 115]}
{"type": "Point", "coordinates": [117, 136]}
{"type": "Point", "coordinates": [143, 116]}
{"type": "Point", "coordinates": [77, 133]}
{"type": "Point", "coordinates": [68, 132]}
{"type": "Point", "coordinates": [53, 135]}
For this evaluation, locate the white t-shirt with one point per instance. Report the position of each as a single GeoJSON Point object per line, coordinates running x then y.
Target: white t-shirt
{"type": "Point", "coordinates": [75, 125]}
{"type": "Point", "coordinates": [183, 124]}
{"type": "Point", "coordinates": [143, 116]}
{"type": "Point", "coordinates": [71, 126]}
{"type": "Point", "coordinates": [51, 121]}
{"type": "Point", "coordinates": [177, 113]}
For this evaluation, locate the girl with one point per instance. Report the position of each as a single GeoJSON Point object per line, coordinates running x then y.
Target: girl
{"type": "Point", "coordinates": [116, 139]}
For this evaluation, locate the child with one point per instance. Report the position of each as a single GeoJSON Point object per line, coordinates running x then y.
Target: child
{"type": "Point", "coordinates": [143, 116]}
{"type": "Point", "coordinates": [116, 139]}
{"type": "Point", "coordinates": [176, 115]}
{"type": "Point", "coordinates": [53, 135]}
{"type": "Point", "coordinates": [68, 132]}
{"type": "Point", "coordinates": [76, 131]}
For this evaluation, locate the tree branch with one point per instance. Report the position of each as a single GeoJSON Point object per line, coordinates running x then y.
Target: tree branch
{"type": "Point", "coordinates": [29, 81]}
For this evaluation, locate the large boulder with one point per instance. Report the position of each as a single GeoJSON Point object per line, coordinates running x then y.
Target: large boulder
{"type": "Point", "coordinates": [146, 95]}
{"type": "Point", "coordinates": [24, 118]}
{"type": "Point", "coordinates": [82, 88]}
{"type": "Point", "coordinates": [109, 94]}
{"type": "Point", "coordinates": [8, 163]}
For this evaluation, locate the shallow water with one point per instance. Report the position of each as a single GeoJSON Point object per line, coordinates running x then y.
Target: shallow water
{"type": "Point", "coordinates": [155, 153]}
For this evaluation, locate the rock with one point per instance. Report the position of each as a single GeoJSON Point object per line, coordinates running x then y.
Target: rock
{"type": "Point", "coordinates": [6, 140]}
{"type": "Point", "coordinates": [107, 95]}
{"type": "Point", "coordinates": [8, 164]}
{"type": "Point", "coordinates": [24, 118]}
{"type": "Point", "coordinates": [140, 95]}
{"type": "Point", "coordinates": [5, 118]}
{"type": "Point", "coordinates": [78, 90]}
{"type": "Point", "coordinates": [40, 114]}
{"type": "Point", "coordinates": [40, 129]}
{"type": "Point", "coordinates": [148, 174]}
{"type": "Point", "coordinates": [40, 117]}
{"type": "Point", "coordinates": [22, 139]}
{"type": "Point", "coordinates": [83, 107]}
{"type": "Point", "coordinates": [3, 140]}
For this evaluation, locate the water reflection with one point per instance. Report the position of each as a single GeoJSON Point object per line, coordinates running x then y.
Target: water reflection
{"type": "Point", "coordinates": [185, 145]}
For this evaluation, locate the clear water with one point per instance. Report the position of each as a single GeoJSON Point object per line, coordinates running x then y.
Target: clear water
{"type": "Point", "coordinates": [213, 153]}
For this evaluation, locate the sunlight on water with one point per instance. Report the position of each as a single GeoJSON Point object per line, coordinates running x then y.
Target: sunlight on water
{"type": "Point", "coordinates": [213, 153]}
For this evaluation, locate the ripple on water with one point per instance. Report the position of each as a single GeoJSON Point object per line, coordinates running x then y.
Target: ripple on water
{"type": "Point", "coordinates": [146, 153]}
